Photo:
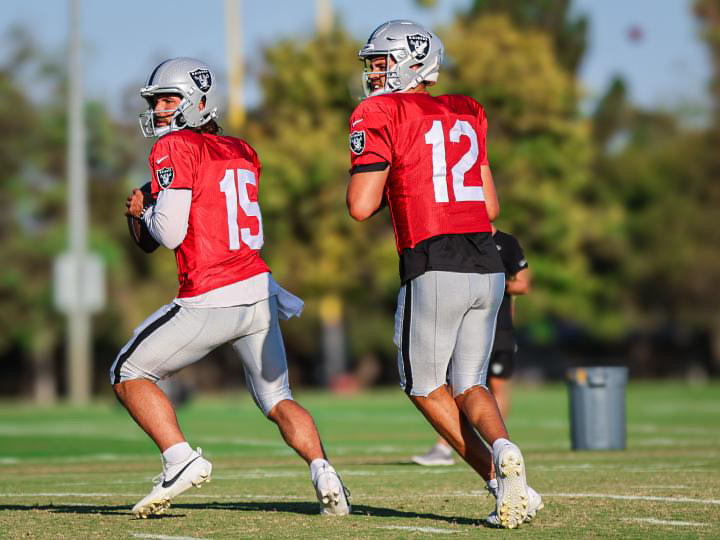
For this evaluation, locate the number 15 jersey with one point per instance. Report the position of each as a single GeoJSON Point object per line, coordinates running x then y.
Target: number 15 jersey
{"type": "Point", "coordinates": [435, 147]}
{"type": "Point", "coordinates": [224, 233]}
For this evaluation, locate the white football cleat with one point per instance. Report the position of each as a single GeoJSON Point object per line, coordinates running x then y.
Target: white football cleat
{"type": "Point", "coordinates": [172, 482]}
{"type": "Point", "coordinates": [535, 504]}
{"type": "Point", "coordinates": [512, 492]}
{"type": "Point", "coordinates": [331, 492]}
{"type": "Point", "coordinates": [440, 454]}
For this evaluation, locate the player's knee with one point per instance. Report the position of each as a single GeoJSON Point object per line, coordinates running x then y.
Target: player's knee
{"type": "Point", "coordinates": [268, 402]}
{"type": "Point", "coordinates": [460, 395]}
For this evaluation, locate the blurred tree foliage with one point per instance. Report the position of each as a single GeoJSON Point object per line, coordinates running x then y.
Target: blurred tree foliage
{"type": "Point", "coordinates": [567, 33]}
{"type": "Point", "coordinates": [617, 211]}
{"type": "Point", "coordinates": [314, 248]}
{"type": "Point", "coordinates": [541, 152]}
{"type": "Point", "coordinates": [32, 227]}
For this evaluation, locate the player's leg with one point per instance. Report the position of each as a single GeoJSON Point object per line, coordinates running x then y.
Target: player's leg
{"type": "Point", "coordinates": [164, 343]}
{"type": "Point", "coordinates": [430, 309]}
{"type": "Point", "coordinates": [470, 362]}
{"type": "Point", "coordinates": [471, 355]}
{"type": "Point", "coordinates": [264, 361]}
{"type": "Point", "coordinates": [440, 409]}
{"type": "Point", "coordinates": [501, 368]}
{"type": "Point", "coordinates": [500, 389]}
{"type": "Point", "coordinates": [152, 411]}
{"type": "Point", "coordinates": [167, 341]}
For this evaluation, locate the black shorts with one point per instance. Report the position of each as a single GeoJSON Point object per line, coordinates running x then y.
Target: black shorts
{"type": "Point", "coordinates": [502, 364]}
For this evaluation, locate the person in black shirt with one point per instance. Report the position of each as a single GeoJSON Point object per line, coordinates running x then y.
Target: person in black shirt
{"type": "Point", "coordinates": [502, 358]}
{"type": "Point", "coordinates": [517, 282]}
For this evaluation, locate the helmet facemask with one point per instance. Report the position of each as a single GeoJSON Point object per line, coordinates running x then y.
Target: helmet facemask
{"type": "Point", "coordinates": [177, 122]}
{"type": "Point", "coordinates": [399, 73]}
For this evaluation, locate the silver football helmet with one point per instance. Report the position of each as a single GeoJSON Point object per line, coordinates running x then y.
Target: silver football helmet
{"type": "Point", "coordinates": [189, 78]}
{"type": "Point", "coordinates": [416, 53]}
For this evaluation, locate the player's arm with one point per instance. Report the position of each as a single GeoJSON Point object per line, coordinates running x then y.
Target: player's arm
{"type": "Point", "coordinates": [519, 283]}
{"type": "Point", "coordinates": [365, 193]}
{"type": "Point", "coordinates": [167, 219]}
{"type": "Point", "coordinates": [492, 205]}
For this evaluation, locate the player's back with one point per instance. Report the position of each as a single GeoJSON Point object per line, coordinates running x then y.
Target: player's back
{"type": "Point", "coordinates": [436, 147]}
{"type": "Point", "coordinates": [224, 233]}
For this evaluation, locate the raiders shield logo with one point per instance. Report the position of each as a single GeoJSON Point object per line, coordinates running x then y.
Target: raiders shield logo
{"type": "Point", "coordinates": [165, 176]}
{"type": "Point", "coordinates": [357, 142]}
{"type": "Point", "coordinates": [202, 79]}
{"type": "Point", "coordinates": [419, 45]}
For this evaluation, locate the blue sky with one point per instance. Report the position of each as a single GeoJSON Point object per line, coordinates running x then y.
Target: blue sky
{"type": "Point", "coordinates": [668, 67]}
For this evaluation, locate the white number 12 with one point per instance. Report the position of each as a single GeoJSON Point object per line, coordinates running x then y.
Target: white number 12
{"type": "Point", "coordinates": [239, 196]}
{"type": "Point", "coordinates": [436, 138]}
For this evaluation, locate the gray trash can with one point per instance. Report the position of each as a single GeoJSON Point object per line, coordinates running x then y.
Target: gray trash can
{"type": "Point", "coordinates": [597, 407]}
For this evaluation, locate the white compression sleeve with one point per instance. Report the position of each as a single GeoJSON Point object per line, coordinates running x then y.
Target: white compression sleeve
{"type": "Point", "coordinates": [167, 219]}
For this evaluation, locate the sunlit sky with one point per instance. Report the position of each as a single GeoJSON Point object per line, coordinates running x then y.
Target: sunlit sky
{"type": "Point", "coordinates": [665, 66]}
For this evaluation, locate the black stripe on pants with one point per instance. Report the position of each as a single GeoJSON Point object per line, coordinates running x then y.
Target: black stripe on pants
{"type": "Point", "coordinates": [406, 338]}
{"type": "Point", "coordinates": [149, 329]}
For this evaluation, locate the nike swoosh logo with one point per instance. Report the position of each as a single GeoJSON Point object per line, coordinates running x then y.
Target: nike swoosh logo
{"type": "Point", "coordinates": [168, 483]}
{"type": "Point", "coordinates": [357, 121]}
{"type": "Point", "coordinates": [159, 161]}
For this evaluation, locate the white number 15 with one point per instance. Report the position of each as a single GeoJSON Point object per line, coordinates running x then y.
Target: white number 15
{"type": "Point", "coordinates": [239, 196]}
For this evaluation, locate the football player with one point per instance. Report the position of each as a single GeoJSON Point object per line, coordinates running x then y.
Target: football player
{"type": "Point", "coordinates": [426, 158]}
{"type": "Point", "coordinates": [203, 204]}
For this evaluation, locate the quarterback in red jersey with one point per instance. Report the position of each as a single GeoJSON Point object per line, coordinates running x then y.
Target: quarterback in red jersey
{"type": "Point", "coordinates": [203, 204]}
{"type": "Point", "coordinates": [426, 158]}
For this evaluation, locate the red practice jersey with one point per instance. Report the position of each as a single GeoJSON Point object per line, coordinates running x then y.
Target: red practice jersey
{"type": "Point", "coordinates": [435, 147]}
{"type": "Point", "coordinates": [224, 234]}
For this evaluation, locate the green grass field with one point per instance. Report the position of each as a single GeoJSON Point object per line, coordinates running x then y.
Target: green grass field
{"type": "Point", "coordinates": [75, 473]}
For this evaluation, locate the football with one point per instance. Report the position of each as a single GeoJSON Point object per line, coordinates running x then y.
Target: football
{"type": "Point", "coordinates": [138, 231]}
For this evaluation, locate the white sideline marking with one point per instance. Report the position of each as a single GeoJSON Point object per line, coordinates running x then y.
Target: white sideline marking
{"type": "Point", "coordinates": [418, 529]}
{"type": "Point", "coordinates": [634, 498]}
{"type": "Point", "coordinates": [654, 521]}
{"type": "Point", "coordinates": [165, 537]}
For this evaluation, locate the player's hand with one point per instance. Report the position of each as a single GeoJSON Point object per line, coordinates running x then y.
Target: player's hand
{"type": "Point", "coordinates": [135, 203]}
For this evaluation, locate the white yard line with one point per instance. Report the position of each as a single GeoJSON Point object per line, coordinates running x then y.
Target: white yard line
{"type": "Point", "coordinates": [164, 537]}
{"type": "Point", "coordinates": [418, 529]}
{"type": "Point", "coordinates": [633, 498]}
{"type": "Point", "coordinates": [654, 521]}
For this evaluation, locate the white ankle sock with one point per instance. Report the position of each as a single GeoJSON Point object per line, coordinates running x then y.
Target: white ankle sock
{"type": "Point", "coordinates": [316, 465]}
{"type": "Point", "coordinates": [177, 453]}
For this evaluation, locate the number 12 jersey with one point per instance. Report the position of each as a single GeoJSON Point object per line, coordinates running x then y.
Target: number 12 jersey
{"type": "Point", "coordinates": [435, 147]}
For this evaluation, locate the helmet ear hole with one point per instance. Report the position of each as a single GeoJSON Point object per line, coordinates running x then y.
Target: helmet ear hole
{"type": "Point", "coordinates": [202, 104]}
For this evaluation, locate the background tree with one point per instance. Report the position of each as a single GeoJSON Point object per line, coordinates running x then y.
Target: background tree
{"type": "Point", "coordinates": [567, 33]}
{"type": "Point", "coordinates": [344, 270]}
{"type": "Point", "coordinates": [540, 150]}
